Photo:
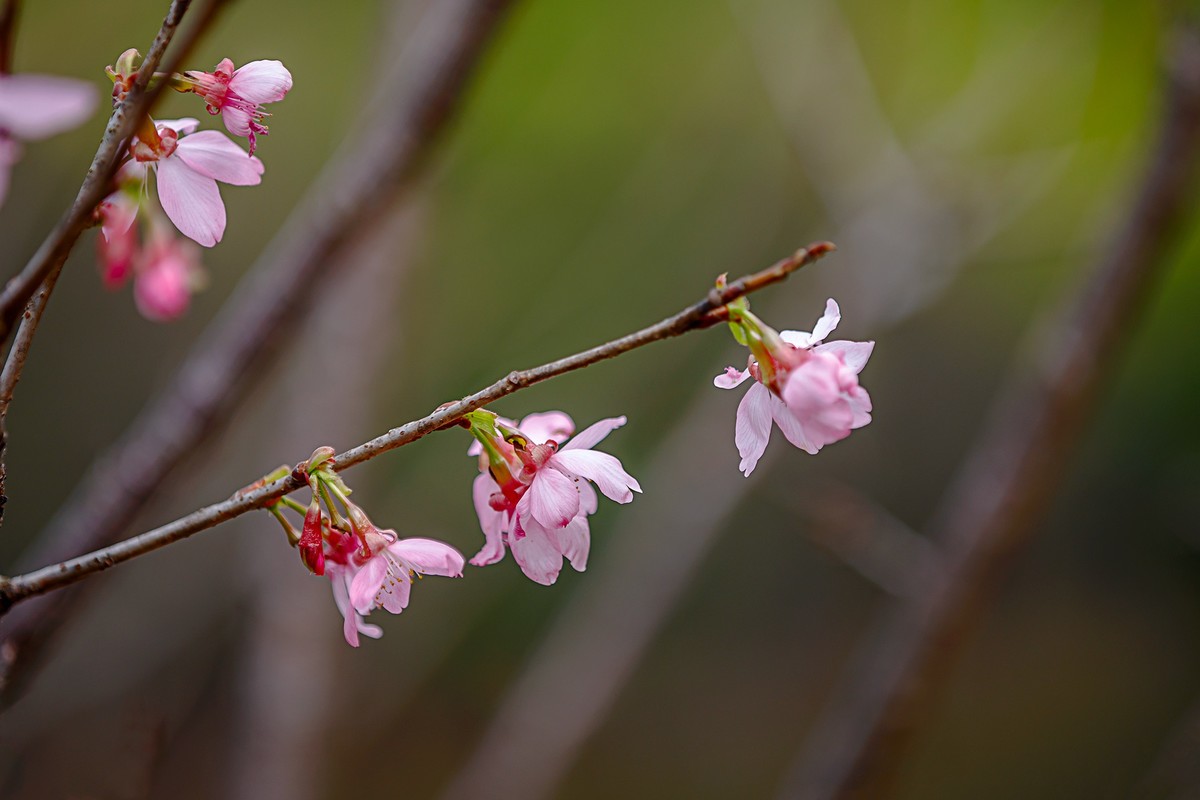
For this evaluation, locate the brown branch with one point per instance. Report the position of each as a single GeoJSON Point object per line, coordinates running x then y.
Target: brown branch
{"type": "Point", "coordinates": [382, 159]}
{"type": "Point", "coordinates": [1010, 480]}
{"type": "Point", "coordinates": [704, 314]}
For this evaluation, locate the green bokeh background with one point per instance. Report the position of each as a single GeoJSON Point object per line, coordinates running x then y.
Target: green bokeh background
{"type": "Point", "coordinates": [612, 158]}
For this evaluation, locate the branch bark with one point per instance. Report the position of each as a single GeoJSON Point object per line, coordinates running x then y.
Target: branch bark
{"type": "Point", "coordinates": [703, 314]}
{"type": "Point", "coordinates": [372, 170]}
{"type": "Point", "coordinates": [1011, 477]}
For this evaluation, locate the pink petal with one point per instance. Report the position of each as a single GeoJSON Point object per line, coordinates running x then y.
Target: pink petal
{"type": "Point", "coordinates": [117, 213]}
{"type": "Point", "coordinates": [237, 120]}
{"type": "Point", "coordinates": [791, 427]}
{"type": "Point", "coordinates": [162, 289]}
{"type": "Point", "coordinates": [853, 354]}
{"type": "Point", "coordinates": [752, 430]}
{"type": "Point", "coordinates": [593, 434]}
{"type": "Point", "coordinates": [262, 81]}
{"type": "Point", "coordinates": [731, 377]}
{"type": "Point", "coordinates": [37, 106]}
{"type": "Point", "coordinates": [429, 556]}
{"type": "Point", "coordinates": [191, 201]}
{"type": "Point", "coordinates": [860, 407]}
{"type": "Point", "coordinates": [588, 502]}
{"type": "Point", "coordinates": [365, 585]}
{"type": "Point", "coordinates": [813, 393]}
{"type": "Point", "coordinates": [491, 521]}
{"type": "Point", "coordinates": [213, 154]}
{"type": "Point", "coordinates": [547, 425]}
{"type": "Point", "coordinates": [610, 477]}
{"type": "Point", "coordinates": [575, 541]}
{"type": "Point", "coordinates": [394, 594]}
{"type": "Point", "coordinates": [352, 621]}
{"type": "Point", "coordinates": [553, 498]}
{"type": "Point", "coordinates": [182, 126]}
{"type": "Point", "coordinates": [537, 554]}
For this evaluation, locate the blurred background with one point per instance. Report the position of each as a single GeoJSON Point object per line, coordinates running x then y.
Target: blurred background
{"type": "Point", "coordinates": [971, 159]}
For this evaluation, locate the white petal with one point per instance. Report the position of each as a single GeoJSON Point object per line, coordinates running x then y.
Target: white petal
{"type": "Point", "coordinates": [752, 430]}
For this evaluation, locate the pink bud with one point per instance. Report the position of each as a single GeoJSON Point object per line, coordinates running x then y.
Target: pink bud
{"type": "Point", "coordinates": [311, 547]}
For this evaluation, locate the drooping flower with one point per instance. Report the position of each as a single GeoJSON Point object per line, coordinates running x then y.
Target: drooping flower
{"type": "Point", "coordinates": [188, 166]}
{"type": "Point", "coordinates": [165, 278]}
{"type": "Point", "coordinates": [36, 107]}
{"type": "Point", "coordinates": [238, 94]}
{"type": "Point", "coordinates": [118, 241]}
{"type": "Point", "coordinates": [811, 391]}
{"type": "Point", "coordinates": [537, 498]}
{"type": "Point", "coordinates": [372, 568]}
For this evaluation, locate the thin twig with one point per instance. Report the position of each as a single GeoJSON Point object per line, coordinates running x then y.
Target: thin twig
{"type": "Point", "coordinates": [706, 313]}
{"type": "Point", "coordinates": [1012, 476]}
{"type": "Point", "coordinates": [382, 158]}
{"type": "Point", "coordinates": [125, 117]}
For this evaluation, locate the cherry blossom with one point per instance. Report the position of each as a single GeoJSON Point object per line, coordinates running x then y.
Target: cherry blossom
{"type": "Point", "coordinates": [238, 94]}
{"type": "Point", "coordinates": [118, 241]}
{"type": "Point", "coordinates": [165, 278]}
{"type": "Point", "coordinates": [812, 394]}
{"type": "Point", "coordinates": [372, 568]}
{"type": "Point", "coordinates": [188, 166]}
{"type": "Point", "coordinates": [540, 504]}
{"type": "Point", "coordinates": [36, 107]}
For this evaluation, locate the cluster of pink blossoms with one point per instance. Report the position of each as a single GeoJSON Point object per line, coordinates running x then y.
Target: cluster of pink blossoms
{"type": "Point", "coordinates": [533, 492]}
{"type": "Point", "coordinates": [187, 165]}
{"type": "Point", "coordinates": [533, 496]}
{"type": "Point", "coordinates": [368, 568]}
{"type": "Point", "coordinates": [807, 387]}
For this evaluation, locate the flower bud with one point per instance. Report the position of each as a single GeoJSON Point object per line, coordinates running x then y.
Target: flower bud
{"type": "Point", "coordinates": [311, 545]}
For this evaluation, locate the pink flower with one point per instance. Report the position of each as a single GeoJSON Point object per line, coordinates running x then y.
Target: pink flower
{"type": "Point", "coordinates": [372, 569]}
{"type": "Point", "coordinates": [238, 95]}
{"type": "Point", "coordinates": [188, 168]}
{"type": "Point", "coordinates": [816, 399]}
{"type": "Point", "coordinates": [118, 242]}
{"type": "Point", "coordinates": [541, 509]}
{"type": "Point", "coordinates": [163, 283]}
{"type": "Point", "coordinates": [35, 107]}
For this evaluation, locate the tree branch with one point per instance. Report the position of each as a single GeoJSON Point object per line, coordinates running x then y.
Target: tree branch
{"type": "Point", "coordinates": [382, 158]}
{"type": "Point", "coordinates": [706, 313]}
{"type": "Point", "coordinates": [1011, 477]}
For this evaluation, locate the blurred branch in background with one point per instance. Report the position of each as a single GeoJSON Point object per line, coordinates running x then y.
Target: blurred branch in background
{"type": "Point", "coordinates": [571, 681]}
{"type": "Point", "coordinates": [1012, 475]}
{"type": "Point", "coordinates": [910, 232]}
{"type": "Point", "coordinates": [864, 536]}
{"type": "Point", "coordinates": [382, 159]}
